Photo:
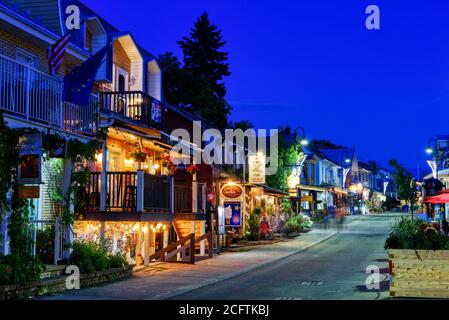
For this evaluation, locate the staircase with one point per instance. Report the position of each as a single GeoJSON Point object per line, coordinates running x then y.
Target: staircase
{"type": "Point", "coordinates": [183, 228]}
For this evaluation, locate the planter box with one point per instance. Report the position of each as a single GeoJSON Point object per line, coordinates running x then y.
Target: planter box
{"type": "Point", "coordinates": [58, 284]}
{"type": "Point", "coordinates": [419, 273]}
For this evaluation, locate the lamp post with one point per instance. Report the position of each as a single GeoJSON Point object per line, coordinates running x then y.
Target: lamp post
{"type": "Point", "coordinates": [434, 152]}
{"type": "Point", "coordinates": [302, 139]}
{"type": "Point", "coordinates": [345, 161]}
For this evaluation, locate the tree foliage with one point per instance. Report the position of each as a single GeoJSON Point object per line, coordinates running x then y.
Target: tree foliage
{"type": "Point", "coordinates": [317, 144]}
{"type": "Point", "coordinates": [197, 83]}
{"type": "Point", "coordinates": [406, 184]}
{"type": "Point", "coordinates": [288, 150]}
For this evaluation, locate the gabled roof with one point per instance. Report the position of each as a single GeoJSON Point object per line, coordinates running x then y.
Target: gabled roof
{"type": "Point", "coordinates": [337, 156]}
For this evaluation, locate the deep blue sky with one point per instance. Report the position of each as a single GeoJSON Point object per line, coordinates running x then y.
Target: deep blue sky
{"type": "Point", "coordinates": [314, 64]}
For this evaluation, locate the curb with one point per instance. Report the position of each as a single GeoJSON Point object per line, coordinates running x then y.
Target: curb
{"type": "Point", "coordinates": [240, 272]}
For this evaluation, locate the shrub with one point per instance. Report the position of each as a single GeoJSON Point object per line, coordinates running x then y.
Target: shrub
{"type": "Point", "coordinates": [254, 224]}
{"type": "Point", "coordinates": [19, 269]}
{"type": "Point", "coordinates": [417, 235]}
{"type": "Point", "coordinates": [117, 260]}
{"type": "Point", "coordinates": [292, 226]}
{"type": "Point", "coordinates": [306, 223]}
{"type": "Point", "coordinates": [45, 239]}
{"type": "Point", "coordinates": [89, 256]}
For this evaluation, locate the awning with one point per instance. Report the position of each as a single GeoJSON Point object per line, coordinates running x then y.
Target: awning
{"type": "Point", "coordinates": [310, 188]}
{"type": "Point", "coordinates": [438, 199]}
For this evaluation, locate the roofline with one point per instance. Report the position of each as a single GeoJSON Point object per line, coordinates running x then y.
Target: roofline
{"type": "Point", "coordinates": [9, 15]}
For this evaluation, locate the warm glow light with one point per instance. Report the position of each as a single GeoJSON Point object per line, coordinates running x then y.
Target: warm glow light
{"type": "Point", "coordinates": [156, 166]}
{"type": "Point", "coordinates": [145, 229]}
{"type": "Point", "coordinates": [99, 157]}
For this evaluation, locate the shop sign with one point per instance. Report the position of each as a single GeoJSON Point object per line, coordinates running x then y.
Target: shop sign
{"type": "Point", "coordinates": [233, 214]}
{"type": "Point", "coordinates": [231, 191]}
{"type": "Point", "coordinates": [156, 112]}
{"type": "Point", "coordinates": [256, 174]}
{"type": "Point", "coordinates": [28, 192]}
{"type": "Point", "coordinates": [306, 199]}
{"type": "Point", "coordinates": [30, 156]}
{"type": "Point", "coordinates": [221, 220]}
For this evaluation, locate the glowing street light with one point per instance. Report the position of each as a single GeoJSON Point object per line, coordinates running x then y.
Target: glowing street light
{"type": "Point", "coordinates": [429, 150]}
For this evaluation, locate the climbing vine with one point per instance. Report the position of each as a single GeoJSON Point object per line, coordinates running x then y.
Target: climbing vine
{"type": "Point", "coordinates": [19, 266]}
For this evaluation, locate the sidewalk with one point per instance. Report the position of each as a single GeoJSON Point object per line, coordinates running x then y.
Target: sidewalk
{"type": "Point", "coordinates": [164, 280]}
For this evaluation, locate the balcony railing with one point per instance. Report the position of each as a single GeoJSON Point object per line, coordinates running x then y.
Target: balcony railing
{"type": "Point", "coordinates": [28, 93]}
{"type": "Point", "coordinates": [135, 105]}
{"type": "Point", "coordinates": [137, 192]}
{"type": "Point", "coordinates": [81, 119]}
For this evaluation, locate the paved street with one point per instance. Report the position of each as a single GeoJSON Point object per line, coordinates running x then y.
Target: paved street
{"type": "Point", "coordinates": [318, 265]}
{"type": "Point", "coordinates": [334, 269]}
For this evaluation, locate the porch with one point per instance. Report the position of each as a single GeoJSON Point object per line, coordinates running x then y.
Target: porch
{"type": "Point", "coordinates": [34, 96]}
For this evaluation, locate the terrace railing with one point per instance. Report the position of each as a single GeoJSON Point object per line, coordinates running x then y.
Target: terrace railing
{"type": "Point", "coordinates": [127, 192]}
{"type": "Point", "coordinates": [135, 105]}
{"type": "Point", "coordinates": [28, 93]}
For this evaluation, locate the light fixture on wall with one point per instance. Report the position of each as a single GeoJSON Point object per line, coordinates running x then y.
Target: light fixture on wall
{"type": "Point", "coordinates": [132, 81]}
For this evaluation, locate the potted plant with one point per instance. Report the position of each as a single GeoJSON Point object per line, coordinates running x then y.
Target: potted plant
{"type": "Point", "coordinates": [418, 258]}
{"type": "Point", "coordinates": [138, 156]}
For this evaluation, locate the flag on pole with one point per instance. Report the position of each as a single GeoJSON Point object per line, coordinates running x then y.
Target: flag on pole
{"type": "Point", "coordinates": [79, 82]}
{"type": "Point", "coordinates": [56, 52]}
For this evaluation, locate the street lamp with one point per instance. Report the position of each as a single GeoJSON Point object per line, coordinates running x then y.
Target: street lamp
{"type": "Point", "coordinates": [302, 139]}
{"type": "Point", "coordinates": [433, 151]}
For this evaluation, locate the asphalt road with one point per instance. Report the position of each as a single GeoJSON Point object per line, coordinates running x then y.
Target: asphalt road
{"type": "Point", "coordinates": [334, 269]}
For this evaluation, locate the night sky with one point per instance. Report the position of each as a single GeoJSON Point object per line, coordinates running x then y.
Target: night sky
{"type": "Point", "coordinates": [314, 64]}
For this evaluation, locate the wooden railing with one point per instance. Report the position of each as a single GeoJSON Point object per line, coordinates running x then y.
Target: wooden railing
{"type": "Point", "coordinates": [156, 193]}
{"type": "Point", "coordinates": [33, 95]}
{"type": "Point", "coordinates": [135, 105]}
{"type": "Point", "coordinates": [183, 197]}
{"type": "Point", "coordinates": [123, 190]}
{"type": "Point", "coordinates": [185, 247]}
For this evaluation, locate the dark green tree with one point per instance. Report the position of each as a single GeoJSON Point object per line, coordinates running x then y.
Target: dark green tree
{"type": "Point", "coordinates": [406, 184]}
{"type": "Point", "coordinates": [241, 124]}
{"type": "Point", "coordinates": [203, 57]}
{"type": "Point", "coordinates": [318, 144]}
{"type": "Point", "coordinates": [205, 66]}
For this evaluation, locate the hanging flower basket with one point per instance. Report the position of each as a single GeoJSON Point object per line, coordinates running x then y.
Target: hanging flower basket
{"type": "Point", "coordinates": [192, 169]}
{"type": "Point", "coordinates": [138, 156]}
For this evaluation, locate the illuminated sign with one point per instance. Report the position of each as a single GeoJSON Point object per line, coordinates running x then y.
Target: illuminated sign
{"type": "Point", "coordinates": [233, 214]}
{"type": "Point", "coordinates": [231, 191]}
{"type": "Point", "coordinates": [30, 156]}
{"type": "Point", "coordinates": [256, 170]}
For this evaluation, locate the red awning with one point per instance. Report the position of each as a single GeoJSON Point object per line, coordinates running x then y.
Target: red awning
{"type": "Point", "coordinates": [438, 199]}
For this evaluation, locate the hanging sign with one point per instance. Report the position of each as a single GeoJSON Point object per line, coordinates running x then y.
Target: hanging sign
{"type": "Point", "coordinates": [28, 192]}
{"type": "Point", "coordinates": [55, 146]}
{"type": "Point", "coordinates": [233, 214]}
{"type": "Point", "coordinates": [30, 156]}
{"type": "Point", "coordinates": [256, 170]}
{"type": "Point", "coordinates": [231, 191]}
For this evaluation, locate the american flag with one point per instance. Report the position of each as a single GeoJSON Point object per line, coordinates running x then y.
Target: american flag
{"type": "Point", "coordinates": [55, 54]}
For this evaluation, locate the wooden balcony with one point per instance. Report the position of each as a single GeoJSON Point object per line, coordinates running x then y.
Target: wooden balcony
{"type": "Point", "coordinates": [29, 94]}
{"type": "Point", "coordinates": [129, 193]}
{"type": "Point", "coordinates": [135, 105]}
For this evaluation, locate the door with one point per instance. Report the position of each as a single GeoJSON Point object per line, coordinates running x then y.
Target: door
{"type": "Point", "coordinates": [121, 86]}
